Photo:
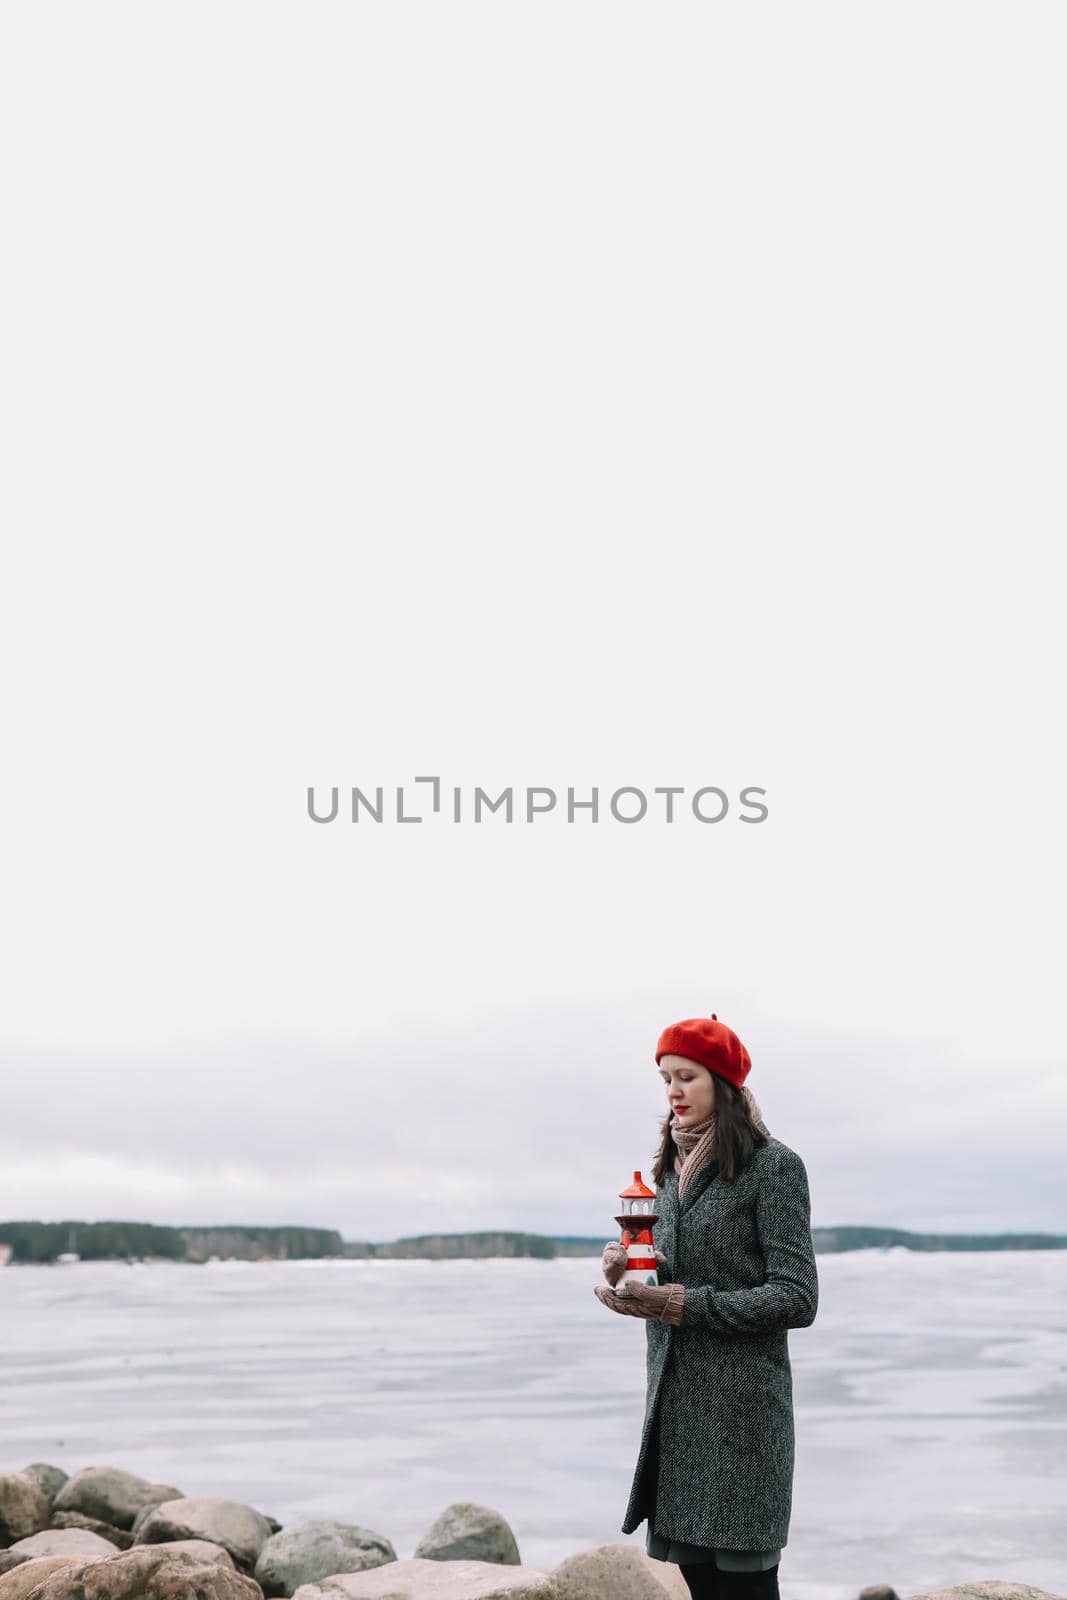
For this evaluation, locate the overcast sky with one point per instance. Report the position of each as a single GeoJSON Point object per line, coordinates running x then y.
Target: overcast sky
{"type": "Point", "coordinates": [530, 396]}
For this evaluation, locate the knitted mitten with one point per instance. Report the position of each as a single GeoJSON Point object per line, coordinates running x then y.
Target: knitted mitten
{"type": "Point", "coordinates": [660, 1301]}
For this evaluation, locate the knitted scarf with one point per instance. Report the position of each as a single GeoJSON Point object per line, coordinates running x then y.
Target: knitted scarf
{"type": "Point", "coordinates": [695, 1142]}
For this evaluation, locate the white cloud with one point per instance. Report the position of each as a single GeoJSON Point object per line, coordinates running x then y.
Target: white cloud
{"type": "Point", "coordinates": [531, 1118]}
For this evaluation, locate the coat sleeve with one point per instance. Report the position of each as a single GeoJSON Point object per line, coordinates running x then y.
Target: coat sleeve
{"type": "Point", "coordinates": [789, 1298]}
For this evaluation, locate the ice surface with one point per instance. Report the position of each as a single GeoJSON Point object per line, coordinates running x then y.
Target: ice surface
{"type": "Point", "coordinates": [930, 1398]}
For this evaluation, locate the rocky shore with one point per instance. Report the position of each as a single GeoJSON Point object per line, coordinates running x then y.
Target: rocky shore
{"type": "Point", "coordinates": [106, 1534]}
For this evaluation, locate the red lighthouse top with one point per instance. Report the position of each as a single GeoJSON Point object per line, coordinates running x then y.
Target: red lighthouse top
{"type": "Point", "coordinates": [637, 1190]}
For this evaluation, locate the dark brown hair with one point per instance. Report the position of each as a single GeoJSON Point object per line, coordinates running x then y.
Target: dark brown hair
{"type": "Point", "coordinates": [736, 1135]}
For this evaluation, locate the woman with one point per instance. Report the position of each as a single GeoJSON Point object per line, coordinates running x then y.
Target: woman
{"type": "Point", "coordinates": [714, 1472]}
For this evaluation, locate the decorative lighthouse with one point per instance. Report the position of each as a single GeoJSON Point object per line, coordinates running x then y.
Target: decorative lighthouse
{"type": "Point", "coordinates": [636, 1222]}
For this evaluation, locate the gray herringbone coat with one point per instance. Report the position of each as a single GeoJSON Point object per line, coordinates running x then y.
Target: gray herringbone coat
{"type": "Point", "coordinates": [721, 1380]}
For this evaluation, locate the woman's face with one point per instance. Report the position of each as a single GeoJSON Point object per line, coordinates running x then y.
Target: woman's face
{"type": "Point", "coordinates": [690, 1089]}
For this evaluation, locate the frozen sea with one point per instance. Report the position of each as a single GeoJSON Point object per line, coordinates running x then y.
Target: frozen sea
{"type": "Point", "coordinates": [930, 1400]}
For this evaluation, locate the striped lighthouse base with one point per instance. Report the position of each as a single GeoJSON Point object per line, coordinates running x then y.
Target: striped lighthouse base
{"type": "Point", "coordinates": [637, 1275]}
{"type": "Point", "coordinates": [641, 1263]}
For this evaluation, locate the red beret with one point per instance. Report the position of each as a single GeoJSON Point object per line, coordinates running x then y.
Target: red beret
{"type": "Point", "coordinates": [709, 1042]}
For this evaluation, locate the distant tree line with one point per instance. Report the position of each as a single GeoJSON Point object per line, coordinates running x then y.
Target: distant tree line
{"type": "Point", "coordinates": [827, 1240]}
{"type": "Point", "coordinates": [454, 1246]}
{"type": "Point", "coordinates": [261, 1244]}
{"type": "Point", "coordinates": [93, 1241]}
{"type": "Point", "coordinates": [121, 1241]}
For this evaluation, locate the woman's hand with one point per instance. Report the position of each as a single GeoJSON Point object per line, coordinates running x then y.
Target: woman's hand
{"type": "Point", "coordinates": [613, 1261]}
{"type": "Point", "coordinates": [659, 1302]}
{"type": "Point", "coordinates": [647, 1300]}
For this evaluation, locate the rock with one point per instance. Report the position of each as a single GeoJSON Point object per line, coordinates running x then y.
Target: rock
{"type": "Point", "coordinates": [145, 1511]}
{"type": "Point", "coordinates": [433, 1580]}
{"type": "Point", "coordinates": [16, 1584]}
{"type": "Point", "coordinates": [121, 1538]}
{"type": "Point", "coordinates": [988, 1589]}
{"type": "Point", "coordinates": [202, 1548]}
{"type": "Point", "coordinates": [62, 1542]}
{"type": "Point", "coordinates": [878, 1591]}
{"type": "Point", "coordinates": [146, 1573]}
{"type": "Point", "coordinates": [24, 1507]}
{"type": "Point", "coordinates": [111, 1495]}
{"type": "Point", "coordinates": [238, 1528]}
{"type": "Point", "coordinates": [618, 1572]}
{"type": "Point", "coordinates": [315, 1550]}
{"type": "Point", "coordinates": [468, 1532]}
{"type": "Point", "coordinates": [51, 1479]}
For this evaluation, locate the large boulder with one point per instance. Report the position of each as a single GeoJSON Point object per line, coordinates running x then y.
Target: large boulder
{"type": "Point", "coordinates": [62, 1542]}
{"type": "Point", "coordinates": [146, 1573]}
{"type": "Point", "coordinates": [121, 1538]}
{"type": "Point", "coordinates": [238, 1528]}
{"type": "Point", "coordinates": [203, 1549]}
{"type": "Point", "coordinates": [111, 1495]}
{"type": "Point", "coordinates": [618, 1572]}
{"type": "Point", "coordinates": [274, 1525]}
{"type": "Point", "coordinates": [51, 1479]}
{"type": "Point", "coordinates": [433, 1580]}
{"type": "Point", "coordinates": [466, 1531]}
{"type": "Point", "coordinates": [988, 1589]}
{"type": "Point", "coordinates": [16, 1584]}
{"type": "Point", "coordinates": [24, 1507]}
{"type": "Point", "coordinates": [314, 1550]}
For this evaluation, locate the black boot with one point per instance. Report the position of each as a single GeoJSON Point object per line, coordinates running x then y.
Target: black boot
{"type": "Point", "coordinates": [748, 1585]}
{"type": "Point", "coordinates": [703, 1579]}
